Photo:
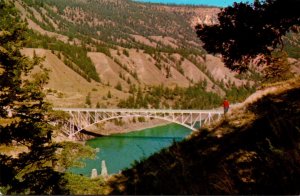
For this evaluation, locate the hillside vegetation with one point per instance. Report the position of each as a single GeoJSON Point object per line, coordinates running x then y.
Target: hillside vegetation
{"type": "Point", "coordinates": [93, 60]}
{"type": "Point", "coordinates": [112, 53]}
{"type": "Point", "coordinates": [128, 50]}
{"type": "Point", "coordinates": [254, 150]}
{"type": "Point", "coordinates": [125, 46]}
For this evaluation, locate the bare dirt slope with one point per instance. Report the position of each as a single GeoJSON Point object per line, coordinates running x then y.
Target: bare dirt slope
{"type": "Point", "coordinates": [108, 70]}
{"type": "Point", "coordinates": [218, 70]}
{"type": "Point", "coordinates": [66, 87]}
{"type": "Point", "coordinates": [144, 65]}
{"type": "Point", "coordinates": [168, 41]}
{"type": "Point", "coordinates": [151, 63]}
{"type": "Point", "coordinates": [32, 25]}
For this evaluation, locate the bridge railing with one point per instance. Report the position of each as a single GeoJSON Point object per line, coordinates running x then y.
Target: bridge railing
{"type": "Point", "coordinates": [216, 111]}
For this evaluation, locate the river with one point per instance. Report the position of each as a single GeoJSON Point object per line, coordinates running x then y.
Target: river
{"type": "Point", "coordinates": [120, 151]}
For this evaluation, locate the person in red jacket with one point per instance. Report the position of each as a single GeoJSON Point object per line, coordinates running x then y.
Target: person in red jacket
{"type": "Point", "coordinates": [226, 105]}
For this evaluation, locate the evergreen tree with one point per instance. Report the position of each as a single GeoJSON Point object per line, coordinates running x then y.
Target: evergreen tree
{"type": "Point", "coordinates": [88, 100]}
{"type": "Point", "coordinates": [247, 31]}
{"type": "Point", "coordinates": [98, 105]}
{"type": "Point", "coordinates": [23, 119]}
{"type": "Point", "coordinates": [119, 86]}
{"type": "Point", "coordinates": [109, 95]}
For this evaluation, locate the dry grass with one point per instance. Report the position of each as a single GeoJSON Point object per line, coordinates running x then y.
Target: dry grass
{"type": "Point", "coordinates": [254, 150]}
{"type": "Point", "coordinates": [13, 150]}
{"type": "Point", "coordinates": [68, 89]}
{"type": "Point", "coordinates": [266, 89]}
{"type": "Point", "coordinates": [71, 89]}
{"type": "Point", "coordinates": [240, 116]}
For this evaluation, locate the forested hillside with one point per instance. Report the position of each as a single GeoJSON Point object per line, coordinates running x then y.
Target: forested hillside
{"type": "Point", "coordinates": [120, 53]}
{"type": "Point", "coordinates": [113, 21]}
{"type": "Point", "coordinates": [133, 49]}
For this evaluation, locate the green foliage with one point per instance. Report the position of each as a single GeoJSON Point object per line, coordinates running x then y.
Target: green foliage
{"type": "Point", "coordinates": [88, 100]}
{"type": "Point", "coordinates": [292, 45]}
{"type": "Point", "coordinates": [141, 119]}
{"type": "Point", "coordinates": [81, 185]}
{"type": "Point", "coordinates": [72, 154]}
{"type": "Point", "coordinates": [193, 97]}
{"type": "Point", "coordinates": [74, 56]}
{"type": "Point", "coordinates": [45, 23]}
{"type": "Point", "coordinates": [179, 68]}
{"type": "Point", "coordinates": [118, 122]}
{"type": "Point", "coordinates": [248, 30]}
{"type": "Point", "coordinates": [109, 95]}
{"type": "Point", "coordinates": [279, 70]}
{"type": "Point", "coordinates": [103, 49]}
{"type": "Point", "coordinates": [251, 75]}
{"type": "Point", "coordinates": [128, 18]}
{"type": "Point", "coordinates": [30, 172]}
{"type": "Point", "coordinates": [98, 105]}
{"type": "Point", "coordinates": [254, 155]}
{"type": "Point", "coordinates": [126, 53]}
{"type": "Point", "coordinates": [119, 86]}
{"type": "Point", "coordinates": [238, 95]}
{"type": "Point", "coordinates": [133, 120]}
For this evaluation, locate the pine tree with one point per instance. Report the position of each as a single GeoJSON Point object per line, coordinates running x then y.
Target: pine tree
{"type": "Point", "coordinates": [246, 31]}
{"type": "Point", "coordinates": [119, 86]}
{"type": "Point", "coordinates": [23, 119]}
{"type": "Point", "coordinates": [109, 94]}
{"type": "Point", "coordinates": [88, 100]}
{"type": "Point", "coordinates": [98, 105]}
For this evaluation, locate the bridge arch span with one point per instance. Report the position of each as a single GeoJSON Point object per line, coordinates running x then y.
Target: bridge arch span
{"type": "Point", "coordinates": [81, 118]}
{"type": "Point", "coordinates": [131, 116]}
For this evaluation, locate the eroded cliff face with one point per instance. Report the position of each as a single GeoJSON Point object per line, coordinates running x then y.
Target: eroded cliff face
{"type": "Point", "coordinates": [208, 19]}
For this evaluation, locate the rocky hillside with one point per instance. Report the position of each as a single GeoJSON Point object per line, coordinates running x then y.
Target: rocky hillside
{"type": "Point", "coordinates": [116, 47]}
{"type": "Point", "coordinates": [254, 150]}
{"type": "Point", "coordinates": [66, 88]}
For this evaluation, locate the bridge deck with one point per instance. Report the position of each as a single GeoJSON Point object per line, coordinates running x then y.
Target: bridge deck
{"type": "Point", "coordinates": [215, 111]}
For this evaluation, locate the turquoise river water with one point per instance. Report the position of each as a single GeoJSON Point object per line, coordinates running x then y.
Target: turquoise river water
{"type": "Point", "coordinates": [121, 150]}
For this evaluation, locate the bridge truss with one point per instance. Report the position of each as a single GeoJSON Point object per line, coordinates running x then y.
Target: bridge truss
{"type": "Point", "coordinates": [82, 118]}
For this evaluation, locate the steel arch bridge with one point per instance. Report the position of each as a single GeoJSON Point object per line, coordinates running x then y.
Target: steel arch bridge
{"type": "Point", "coordinates": [81, 118]}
